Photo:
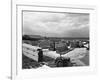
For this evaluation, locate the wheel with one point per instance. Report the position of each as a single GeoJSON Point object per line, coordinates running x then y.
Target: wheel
{"type": "Point", "coordinates": [59, 64]}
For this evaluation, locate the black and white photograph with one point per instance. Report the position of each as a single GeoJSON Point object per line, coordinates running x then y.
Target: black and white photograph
{"type": "Point", "coordinates": [55, 39]}
{"type": "Point", "coordinates": [52, 40]}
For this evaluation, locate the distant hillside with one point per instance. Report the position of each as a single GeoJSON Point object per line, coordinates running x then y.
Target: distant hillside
{"type": "Point", "coordinates": [38, 37]}
{"type": "Point", "coordinates": [69, 38]}
{"type": "Point", "coordinates": [31, 37]}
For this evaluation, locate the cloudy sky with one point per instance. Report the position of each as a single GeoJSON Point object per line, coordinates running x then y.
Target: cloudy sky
{"type": "Point", "coordinates": [56, 24]}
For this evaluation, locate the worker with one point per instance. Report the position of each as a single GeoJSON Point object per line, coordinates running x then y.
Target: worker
{"type": "Point", "coordinates": [40, 55]}
{"type": "Point", "coordinates": [54, 49]}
